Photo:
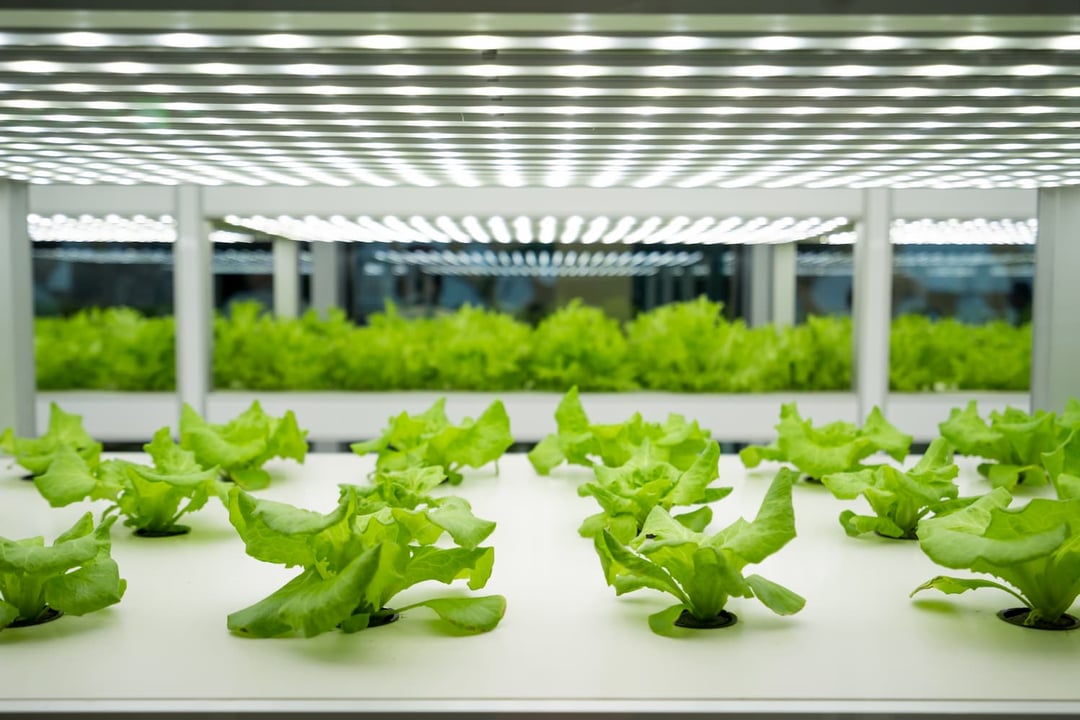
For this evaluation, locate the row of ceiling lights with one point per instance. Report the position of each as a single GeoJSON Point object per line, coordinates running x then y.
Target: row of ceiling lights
{"type": "Point", "coordinates": [523, 229]}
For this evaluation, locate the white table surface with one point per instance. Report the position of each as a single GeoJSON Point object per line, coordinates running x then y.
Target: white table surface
{"type": "Point", "coordinates": [567, 643]}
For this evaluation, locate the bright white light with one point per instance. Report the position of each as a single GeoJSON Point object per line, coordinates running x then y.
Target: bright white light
{"type": "Point", "coordinates": [1033, 70]}
{"type": "Point", "coordinates": [777, 43]}
{"type": "Point", "coordinates": [578, 71]}
{"type": "Point", "coordinates": [580, 43]}
{"type": "Point", "coordinates": [84, 39]}
{"type": "Point", "coordinates": [678, 43]}
{"type": "Point", "coordinates": [284, 41]}
{"type": "Point", "coordinates": [34, 66]}
{"type": "Point", "coordinates": [381, 42]}
{"type": "Point", "coordinates": [308, 69]}
{"type": "Point", "coordinates": [876, 43]}
{"type": "Point", "coordinates": [399, 70]}
{"type": "Point", "coordinates": [124, 67]}
{"type": "Point", "coordinates": [217, 68]}
{"type": "Point", "coordinates": [760, 71]}
{"type": "Point", "coordinates": [183, 40]}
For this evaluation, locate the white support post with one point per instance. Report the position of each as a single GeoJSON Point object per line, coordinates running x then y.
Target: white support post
{"type": "Point", "coordinates": [326, 286]}
{"type": "Point", "coordinates": [784, 274]}
{"type": "Point", "coordinates": [1055, 357]}
{"type": "Point", "coordinates": [872, 301]}
{"type": "Point", "coordinates": [192, 299]}
{"type": "Point", "coordinates": [759, 292]}
{"type": "Point", "coordinates": [17, 373]}
{"type": "Point", "coordinates": [286, 278]}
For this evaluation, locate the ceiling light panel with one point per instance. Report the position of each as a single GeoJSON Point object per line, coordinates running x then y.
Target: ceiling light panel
{"type": "Point", "coordinates": [540, 109]}
{"type": "Point", "coordinates": [114, 229]}
{"type": "Point", "coordinates": [496, 230]}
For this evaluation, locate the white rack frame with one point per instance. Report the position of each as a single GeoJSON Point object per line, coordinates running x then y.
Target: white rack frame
{"type": "Point", "coordinates": [351, 416]}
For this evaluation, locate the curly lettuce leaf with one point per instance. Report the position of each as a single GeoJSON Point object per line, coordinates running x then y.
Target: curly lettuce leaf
{"type": "Point", "coordinates": [65, 431]}
{"type": "Point", "coordinates": [76, 575]}
{"type": "Point", "coordinates": [242, 446]}
{"type": "Point", "coordinates": [1033, 549]}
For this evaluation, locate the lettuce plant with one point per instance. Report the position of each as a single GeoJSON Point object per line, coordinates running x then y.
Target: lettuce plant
{"type": "Point", "coordinates": [629, 492]}
{"type": "Point", "coordinates": [241, 447]}
{"type": "Point", "coordinates": [577, 441]}
{"type": "Point", "coordinates": [430, 439]}
{"type": "Point", "coordinates": [65, 431]}
{"type": "Point", "coordinates": [76, 575]}
{"type": "Point", "coordinates": [1034, 550]}
{"type": "Point", "coordinates": [832, 448]}
{"type": "Point", "coordinates": [358, 557]}
{"type": "Point", "coordinates": [150, 499]}
{"type": "Point", "coordinates": [703, 571]}
{"type": "Point", "coordinates": [1014, 440]}
{"type": "Point", "coordinates": [899, 498]}
{"type": "Point", "coordinates": [578, 345]}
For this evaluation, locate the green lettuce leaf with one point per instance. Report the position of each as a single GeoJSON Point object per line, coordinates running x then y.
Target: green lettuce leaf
{"type": "Point", "coordinates": [1034, 549]}
{"type": "Point", "coordinates": [65, 432]}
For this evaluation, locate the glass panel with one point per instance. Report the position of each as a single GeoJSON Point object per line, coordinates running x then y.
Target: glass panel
{"type": "Point", "coordinates": [962, 317]}
{"type": "Point", "coordinates": [104, 315]}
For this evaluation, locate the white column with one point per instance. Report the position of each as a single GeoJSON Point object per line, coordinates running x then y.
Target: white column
{"type": "Point", "coordinates": [326, 285]}
{"type": "Point", "coordinates": [17, 375]}
{"type": "Point", "coordinates": [286, 278]}
{"type": "Point", "coordinates": [872, 301]}
{"type": "Point", "coordinates": [192, 298]}
{"type": "Point", "coordinates": [784, 276]}
{"type": "Point", "coordinates": [1055, 357]}
{"type": "Point", "coordinates": [759, 292]}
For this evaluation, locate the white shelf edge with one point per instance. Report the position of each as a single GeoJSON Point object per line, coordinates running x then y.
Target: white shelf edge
{"type": "Point", "coordinates": [345, 417]}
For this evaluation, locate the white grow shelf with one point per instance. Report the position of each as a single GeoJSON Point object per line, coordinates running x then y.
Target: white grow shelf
{"type": "Point", "coordinates": [345, 417]}
{"type": "Point", "coordinates": [567, 643]}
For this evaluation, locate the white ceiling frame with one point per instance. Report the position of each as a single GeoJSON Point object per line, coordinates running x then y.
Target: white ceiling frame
{"type": "Point", "coordinates": [961, 204]}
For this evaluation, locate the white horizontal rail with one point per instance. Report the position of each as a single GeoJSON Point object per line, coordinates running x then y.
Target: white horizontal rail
{"type": "Point", "coordinates": [743, 202]}
{"type": "Point", "coordinates": [346, 417]}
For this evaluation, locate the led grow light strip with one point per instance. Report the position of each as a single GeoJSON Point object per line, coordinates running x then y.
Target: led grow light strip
{"type": "Point", "coordinates": [498, 230]}
{"type": "Point", "coordinates": [114, 229]}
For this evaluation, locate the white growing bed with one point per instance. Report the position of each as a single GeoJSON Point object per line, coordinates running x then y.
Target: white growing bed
{"type": "Point", "coordinates": [567, 643]}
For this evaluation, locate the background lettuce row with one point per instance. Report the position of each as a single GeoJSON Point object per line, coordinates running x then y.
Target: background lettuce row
{"type": "Point", "coordinates": [681, 347]}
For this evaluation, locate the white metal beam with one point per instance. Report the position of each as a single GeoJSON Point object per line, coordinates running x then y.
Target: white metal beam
{"type": "Point", "coordinates": [872, 301]}
{"type": "Point", "coordinates": [784, 276]}
{"type": "Point", "coordinates": [326, 276]}
{"type": "Point", "coordinates": [532, 201]}
{"type": "Point", "coordinates": [964, 204]}
{"type": "Point", "coordinates": [286, 278]}
{"type": "Point", "coordinates": [759, 293]}
{"type": "Point", "coordinates": [17, 377]}
{"type": "Point", "coordinates": [1055, 362]}
{"type": "Point", "coordinates": [192, 298]}
{"type": "Point", "coordinates": [102, 199]}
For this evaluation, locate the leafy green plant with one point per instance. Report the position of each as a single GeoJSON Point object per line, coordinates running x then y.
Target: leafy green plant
{"type": "Point", "coordinates": [151, 499]}
{"type": "Point", "coordinates": [832, 448]}
{"type": "Point", "coordinates": [629, 492]}
{"type": "Point", "coordinates": [577, 441]}
{"type": "Point", "coordinates": [477, 349]}
{"type": "Point", "coordinates": [580, 346]}
{"type": "Point", "coordinates": [899, 498]}
{"type": "Point", "coordinates": [430, 439]}
{"type": "Point", "coordinates": [1034, 550]}
{"type": "Point", "coordinates": [114, 348]}
{"type": "Point", "coordinates": [942, 355]}
{"type": "Point", "coordinates": [703, 571]}
{"type": "Point", "coordinates": [361, 555]}
{"type": "Point", "coordinates": [1015, 440]}
{"type": "Point", "coordinates": [65, 431]}
{"type": "Point", "coordinates": [76, 575]}
{"type": "Point", "coordinates": [242, 446]}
